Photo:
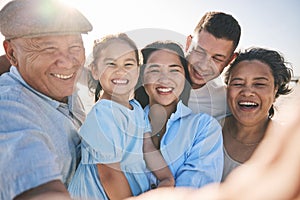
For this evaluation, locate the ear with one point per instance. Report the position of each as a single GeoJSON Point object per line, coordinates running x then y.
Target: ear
{"type": "Point", "coordinates": [94, 71]}
{"type": "Point", "coordinates": [233, 57]}
{"type": "Point", "coordinates": [189, 40]}
{"type": "Point", "coordinates": [10, 53]}
{"type": "Point", "coordinates": [275, 93]}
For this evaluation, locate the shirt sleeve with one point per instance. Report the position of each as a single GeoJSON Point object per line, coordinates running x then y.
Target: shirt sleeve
{"type": "Point", "coordinates": [26, 159]}
{"type": "Point", "coordinates": [102, 136]}
{"type": "Point", "coordinates": [204, 160]}
{"type": "Point", "coordinates": [148, 127]}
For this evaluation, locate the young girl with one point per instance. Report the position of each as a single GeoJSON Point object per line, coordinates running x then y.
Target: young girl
{"type": "Point", "coordinates": [112, 165]}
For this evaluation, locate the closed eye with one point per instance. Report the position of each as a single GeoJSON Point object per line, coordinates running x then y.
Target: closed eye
{"type": "Point", "coordinates": [260, 84]}
{"type": "Point", "coordinates": [218, 59]}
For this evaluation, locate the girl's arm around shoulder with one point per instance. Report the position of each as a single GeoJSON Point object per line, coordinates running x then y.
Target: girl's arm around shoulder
{"type": "Point", "coordinates": [156, 163]}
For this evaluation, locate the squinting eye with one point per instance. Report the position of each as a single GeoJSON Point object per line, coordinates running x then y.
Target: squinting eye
{"type": "Point", "coordinates": [174, 70]}
{"type": "Point", "coordinates": [235, 84]}
{"type": "Point", "coordinates": [154, 70]}
{"type": "Point", "coordinates": [49, 49]}
{"type": "Point", "coordinates": [110, 64]}
{"type": "Point", "coordinates": [198, 52]}
{"type": "Point", "coordinates": [260, 84]}
{"type": "Point", "coordinates": [218, 60]}
{"type": "Point", "coordinates": [129, 64]}
{"type": "Point", "coordinates": [76, 48]}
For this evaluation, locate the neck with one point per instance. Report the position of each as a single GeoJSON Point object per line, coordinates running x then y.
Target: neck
{"type": "Point", "coordinates": [123, 100]}
{"type": "Point", "coordinates": [247, 135]}
{"type": "Point", "coordinates": [196, 86]}
{"type": "Point", "coordinates": [159, 115]}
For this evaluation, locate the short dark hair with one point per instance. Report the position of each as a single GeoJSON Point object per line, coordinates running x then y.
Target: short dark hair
{"type": "Point", "coordinates": [220, 25]}
{"type": "Point", "coordinates": [281, 70]}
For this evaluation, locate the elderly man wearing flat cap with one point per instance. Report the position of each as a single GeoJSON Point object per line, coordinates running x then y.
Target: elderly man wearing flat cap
{"type": "Point", "coordinates": [39, 111]}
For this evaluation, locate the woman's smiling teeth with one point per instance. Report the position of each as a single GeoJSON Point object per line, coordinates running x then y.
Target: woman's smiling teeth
{"type": "Point", "coordinates": [164, 89]}
{"type": "Point", "coordinates": [248, 104]}
{"type": "Point", "coordinates": [64, 77]}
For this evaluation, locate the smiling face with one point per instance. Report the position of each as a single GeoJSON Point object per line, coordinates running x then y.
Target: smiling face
{"type": "Point", "coordinates": [251, 91]}
{"type": "Point", "coordinates": [117, 70]}
{"type": "Point", "coordinates": [207, 58]}
{"type": "Point", "coordinates": [50, 64]}
{"type": "Point", "coordinates": [164, 78]}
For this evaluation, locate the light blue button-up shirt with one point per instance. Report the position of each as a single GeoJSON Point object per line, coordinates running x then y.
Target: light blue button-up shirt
{"type": "Point", "coordinates": [112, 133]}
{"type": "Point", "coordinates": [193, 147]}
{"type": "Point", "coordinates": [38, 136]}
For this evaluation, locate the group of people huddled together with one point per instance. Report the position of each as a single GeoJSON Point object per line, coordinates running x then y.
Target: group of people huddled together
{"type": "Point", "coordinates": [164, 124]}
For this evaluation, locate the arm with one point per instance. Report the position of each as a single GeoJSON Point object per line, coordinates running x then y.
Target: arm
{"type": "Point", "coordinates": [114, 181]}
{"type": "Point", "coordinates": [156, 163]}
{"type": "Point", "coordinates": [4, 64]}
{"type": "Point", "coordinates": [28, 161]}
{"type": "Point", "coordinates": [51, 190]}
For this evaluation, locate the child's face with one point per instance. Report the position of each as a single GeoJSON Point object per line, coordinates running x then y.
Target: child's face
{"type": "Point", "coordinates": [117, 70]}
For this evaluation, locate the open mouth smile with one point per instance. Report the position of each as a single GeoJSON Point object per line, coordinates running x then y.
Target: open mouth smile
{"type": "Point", "coordinates": [63, 77]}
{"type": "Point", "coordinates": [120, 81]}
{"type": "Point", "coordinates": [164, 90]}
{"type": "Point", "coordinates": [247, 104]}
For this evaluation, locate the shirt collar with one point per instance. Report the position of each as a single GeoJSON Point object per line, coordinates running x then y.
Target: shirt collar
{"type": "Point", "coordinates": [181, 111]}
{"type": "Point", "coordinates": [16, 75]}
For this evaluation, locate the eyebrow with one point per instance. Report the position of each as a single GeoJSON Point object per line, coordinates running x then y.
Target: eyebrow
{"type": "Point", "coordinates": [176, 65]}
{"type": "Point", "coordinates": [256, 78]}
{"type": "Point", "coordinates": [113, 59]}
{"type": "Point", "coordinates": [152, 65]}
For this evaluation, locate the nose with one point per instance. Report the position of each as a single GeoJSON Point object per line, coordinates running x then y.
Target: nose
{"type": "Point", "coordinates": [248, 91]}
{"type": "Point", "coordinates": [121, 70]}
{"type": "Point", "coordinates": [67, 60]}
{"type": "Point", "coordinates": [164, 77]}
{"type": "Point", "coordinates": [204, 63]}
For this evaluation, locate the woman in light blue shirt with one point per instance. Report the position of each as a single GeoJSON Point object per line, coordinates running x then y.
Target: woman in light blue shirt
{"type": "Point", "coordinates": [190, 143]}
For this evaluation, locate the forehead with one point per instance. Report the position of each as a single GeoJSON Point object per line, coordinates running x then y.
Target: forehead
{"type": "Point", "coordinates": [213, 45]}
{"type": "Point", "coordinates": [164, 56]}
{"type": "Point", "coordinates": [117, 49]}
{"type": "Point", "coordinates": [58, 39]}
{"type": "Point", "coordinates": [251, 68]}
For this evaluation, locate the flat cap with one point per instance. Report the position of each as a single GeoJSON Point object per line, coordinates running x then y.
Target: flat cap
{"type": "Point", "coordinates": [35, 18]}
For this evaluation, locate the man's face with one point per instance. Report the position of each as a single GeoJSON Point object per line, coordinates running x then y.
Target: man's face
{"type": "Point", "coordinates": [50, 64]}
{"type": "Point", "coordinates": [207, 57]}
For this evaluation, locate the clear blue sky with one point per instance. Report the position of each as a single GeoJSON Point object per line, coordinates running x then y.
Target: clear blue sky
{"type": "Point", "coordinates": [273, 24]}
